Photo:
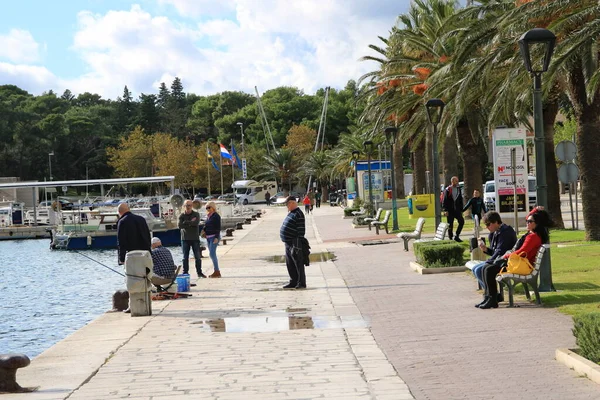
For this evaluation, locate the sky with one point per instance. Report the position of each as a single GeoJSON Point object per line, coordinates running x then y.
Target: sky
{"type": "Point", "coordinates": [99, 46]}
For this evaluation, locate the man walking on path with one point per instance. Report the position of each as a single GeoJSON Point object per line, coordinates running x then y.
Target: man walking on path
{"type": "Point", "coordinates": [291, 232]}
{"type": "Point", "coordinates": [132, 232]}
{"type": "Point", "coordinates": [452, 206]}
{"type": "Point", "coordinates": [189, 221]}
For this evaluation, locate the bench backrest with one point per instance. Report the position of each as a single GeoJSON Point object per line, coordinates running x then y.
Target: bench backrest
{"type": "Point", "coordinates": [440, 232]}
{"type": "Point", "coordinates": [386, 218]}
{"type": "Point", "coordinates": [378, 214]}
{"type": "Point", "coordinates": [538, 260]}
{"type": "Point", "coordinates": [419, 228]}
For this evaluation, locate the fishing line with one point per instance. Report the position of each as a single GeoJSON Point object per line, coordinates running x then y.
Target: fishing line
{"type": "Point", "coordinates": [96, 261]}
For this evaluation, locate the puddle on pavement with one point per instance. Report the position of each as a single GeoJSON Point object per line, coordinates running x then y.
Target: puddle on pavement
{"type": "Point", "coordinates": [314, 257]}
{"type": "Point", "coordinates": [277, 324]}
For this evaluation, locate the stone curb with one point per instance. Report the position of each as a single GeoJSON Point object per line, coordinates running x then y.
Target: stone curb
{"type": "Point", "coordinates": [582, 366]}
{"type": "Point", "coordinates": [444, 270]}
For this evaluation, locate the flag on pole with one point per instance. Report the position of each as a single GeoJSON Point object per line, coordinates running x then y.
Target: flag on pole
{"type": "Point", "coordinates": [225, 152]}
{"type": "Point", "coordinates": [236, 160]}
{"type": "Point", "coordinates": [210, 157]}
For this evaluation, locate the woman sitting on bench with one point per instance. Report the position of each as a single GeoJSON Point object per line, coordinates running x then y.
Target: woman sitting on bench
{"type": "Point", "coordinates": [538, 222]}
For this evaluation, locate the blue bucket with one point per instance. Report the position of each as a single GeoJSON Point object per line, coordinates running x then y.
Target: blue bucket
{"type": "Point", "coordinates": [181, 283]}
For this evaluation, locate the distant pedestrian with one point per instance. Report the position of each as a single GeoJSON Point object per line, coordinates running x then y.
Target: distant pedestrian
{"type": "Point", "coordinates": [311, 196]}
{"type": "Point", "coordinates": [212, 233]}
{"type": "Point", "coordinates": [306, 202]}
{"type": "Point", "coordinates": [453, 207]}
{"type": "Point", "coordinates": [132, 232]}
{"type": "Point", "coordinates": [163, 265]}
{"type": "Point", "coordinates": [189, 222]}
{"type": "Point", "coordinates": [477, 205]}
{"type": "Point", "coordinates": [292, 234]}
{"type": "Point", "coordinates": [268, 198]}
{"type": "Point", "coordinates": [318, 199]}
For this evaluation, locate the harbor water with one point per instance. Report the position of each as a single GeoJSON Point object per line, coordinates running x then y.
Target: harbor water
{"type": "Point", "coordinates": [48, 294]}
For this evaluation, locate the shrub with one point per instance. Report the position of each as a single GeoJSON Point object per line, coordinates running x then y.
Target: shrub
{"type": "Point", "coordinates": [360, 220]}
{"type": "Point", "coordinates": [348, 211]}
{"type": "Point", "coordinates": [587, 334]}
{"type": "Point", "coordinates": [439, 253]}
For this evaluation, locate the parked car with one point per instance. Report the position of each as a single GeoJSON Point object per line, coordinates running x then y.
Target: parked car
{"type": "Point", "coordinates": [489, 193]}
{"type": "Point", "coordinates": [226, 197]}
{"type": "Point", "coordinates": [64, 204]}
{"type": "Point", "coordinates": [280, 197]}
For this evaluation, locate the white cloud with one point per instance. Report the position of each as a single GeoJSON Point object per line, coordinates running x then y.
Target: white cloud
{"type": "Point", "coordinates": [33, 78]}
{"type": "Point", "coordinates": [308, 44]}
{"type": "Point", "coordinates": [18, 46]}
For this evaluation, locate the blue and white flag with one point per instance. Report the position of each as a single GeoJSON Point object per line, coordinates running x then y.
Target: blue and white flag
{"type": "Point", "coordinates": [236, 160]}
{"type": "Point", "coordinates": [210, 157]}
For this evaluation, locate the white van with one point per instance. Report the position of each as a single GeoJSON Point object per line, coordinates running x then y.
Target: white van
{"type": "Point", "coordinates": [252, 192]}
{"type": "Point", "coordinates": [489, 193]}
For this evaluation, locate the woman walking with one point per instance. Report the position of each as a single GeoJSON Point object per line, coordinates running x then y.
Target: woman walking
{"type": "Point", "coordinates": [212, 233]}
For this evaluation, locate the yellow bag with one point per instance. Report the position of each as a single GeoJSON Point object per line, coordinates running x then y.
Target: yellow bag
{"type": "Point", "coordinates": [518, 264]}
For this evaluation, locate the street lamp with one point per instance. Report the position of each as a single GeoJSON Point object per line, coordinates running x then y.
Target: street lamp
{"type": "Point", "coordinates": [435, 108]}
{"type": "Point", "coordinates": [355, 155]}
{"type": "Point", "coordinates": [50, 162]}
{"type": "Point", "coordinates": [539, 41]}
{"type": "Point", "coordinates": [391, 134]}
{"type": "Point", "coordinates": [241, 125]}
{"type": "Point", "coordinates": [368, 145]}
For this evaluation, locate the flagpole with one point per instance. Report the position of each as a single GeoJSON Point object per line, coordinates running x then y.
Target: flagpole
{"type": "Point", "coordinates": [221, 173]}
{"type": "Point", "coordinates": [208, 167]}
{"type": "Point", "coordinates": [232, 165]}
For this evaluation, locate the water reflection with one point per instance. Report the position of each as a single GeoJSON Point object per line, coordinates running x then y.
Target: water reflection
{"type": "Point", "coordinates": [277, 323]}
{"type": "Point", "coordinates": [314, 257]}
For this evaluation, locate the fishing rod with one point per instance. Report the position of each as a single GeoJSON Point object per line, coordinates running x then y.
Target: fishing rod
{"type": "Point", "coordinates": [96, 261]}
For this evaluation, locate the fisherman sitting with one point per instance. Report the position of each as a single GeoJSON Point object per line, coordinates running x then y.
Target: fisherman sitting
{"type": "Point", "coordinates": [164, 267]}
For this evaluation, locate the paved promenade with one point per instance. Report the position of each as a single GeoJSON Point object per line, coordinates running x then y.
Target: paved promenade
{"type": "Point", "coordinates": [368, 327]}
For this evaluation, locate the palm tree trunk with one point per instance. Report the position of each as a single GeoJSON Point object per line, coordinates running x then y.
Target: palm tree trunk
{"type": "Point", "coordinates": [471, 154]}
{"type": "Point", "coordinates": [419, 167]}
{"type": "Point", "coordinates": [399, 171]}
{"type": "Point", "coordinates": [550, 112]}
{"type": "Point", "coordinates": [450, 157]}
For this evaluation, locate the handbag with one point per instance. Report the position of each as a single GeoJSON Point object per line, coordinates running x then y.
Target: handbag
{"type": "Point", "coordinates": [518, 264]}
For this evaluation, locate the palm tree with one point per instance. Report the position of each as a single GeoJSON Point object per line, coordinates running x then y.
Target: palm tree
{"type": "Point", "coordinates": [280, 166]}
{"type": "Point", "coordinates": [318, 165]}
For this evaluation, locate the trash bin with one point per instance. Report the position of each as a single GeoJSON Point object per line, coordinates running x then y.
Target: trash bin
{"type": "Point", "coordinates": [332, 199]}
{"type": "Point", "coordinates": [138, 264]}
{"type": "Point", "coordinates": [421, 205]}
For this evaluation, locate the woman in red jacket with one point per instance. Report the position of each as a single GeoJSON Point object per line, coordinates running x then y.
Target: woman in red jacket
{"type": "Point", "coordinates": [538, 222]}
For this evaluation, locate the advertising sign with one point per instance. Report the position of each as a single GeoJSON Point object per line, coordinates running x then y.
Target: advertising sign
{"type": "Point", "coordinates": [505, 140]}
{"type": "Point", "coordinates": [244, 170]}
{"type": "Point", "coordinates": [377, 185]}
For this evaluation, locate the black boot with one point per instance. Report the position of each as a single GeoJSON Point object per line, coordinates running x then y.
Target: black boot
{"type": "Point", "coordinates": [500, 297]}
{"type": "Point", "coordinates": [485, 298]}
{"type": "Point", "coordinates": [490, 303]}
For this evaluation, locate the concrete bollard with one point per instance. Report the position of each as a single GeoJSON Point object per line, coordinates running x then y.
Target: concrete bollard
{"type": "Point", "coordinates": [138, 264]}
{"type": "Point", "coordinates": [9, 363]}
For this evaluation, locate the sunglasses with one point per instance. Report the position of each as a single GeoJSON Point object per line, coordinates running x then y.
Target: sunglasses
{"type": "Point", "coordinates": [487, 224]}
{"type": "Point", "coordinates": [529, 221]}
{"type": "Point", "coordinates": [208, 208]}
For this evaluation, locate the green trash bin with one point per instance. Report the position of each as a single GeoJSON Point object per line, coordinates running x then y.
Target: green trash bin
{"type": "Point", "coordinates": [421, 205]}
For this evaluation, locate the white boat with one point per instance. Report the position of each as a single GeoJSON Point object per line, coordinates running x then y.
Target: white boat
{"type": "Point", "coordinates": [12, 225]}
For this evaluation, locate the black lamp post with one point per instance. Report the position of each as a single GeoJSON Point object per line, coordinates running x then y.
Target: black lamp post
{"type": "Point", "coordinates": [539, 42]}
{"type": "Point", "coordinates": [435, 108]}
{"type": "Point", "coordinates": [391, 134]}
{"type": "Point", "coordinates": [368, 145]}
{"type": "Point", "coordinates": [355, 155]}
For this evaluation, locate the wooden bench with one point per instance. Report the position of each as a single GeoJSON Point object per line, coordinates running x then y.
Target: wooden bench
{"type": "Point", "coordinates": [368, 220]}
{"type": "Point", "coordinates": [360, 212]}
{"type": "Point", "coordinates": [511, 280]}
{"type": "Point", "coordinates": [416, 234]}
{"type": "Point", "coordinates": [440, 233]}
{"type": "Point", "coordinates": [384, 223]}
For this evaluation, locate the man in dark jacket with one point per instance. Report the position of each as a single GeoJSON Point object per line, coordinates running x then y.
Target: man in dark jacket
{"type": "Point", "coordinates": [452, 206]}
{"type": "Point", "coordinates": [189, 222]}
{"type": "Point", "coordinates": [502, 238]}
{"type": "Point", "coordinates": [132, 232]}
{"type": "Point", "coordinates": [291, 233]}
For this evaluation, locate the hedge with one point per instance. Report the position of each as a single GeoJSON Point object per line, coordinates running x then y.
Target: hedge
{"type": "Point", "coordinates": [587, 333]}
{"type": "Point", "coordinates": [439, 253]}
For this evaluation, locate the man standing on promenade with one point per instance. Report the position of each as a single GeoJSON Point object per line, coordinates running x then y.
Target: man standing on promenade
{"type": "Point", "coordinates": [189, 221]}
{"type": "Point", "coordinates": [268, 198]}
{"type": "Point", "coordinates": [132, 232]}
{"type": "Point", "coordinates": [163, 264]}
{"type": "Point", "coordinates": [452, 206]}
{"type": "Point", "coordinates": [291, 233]}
